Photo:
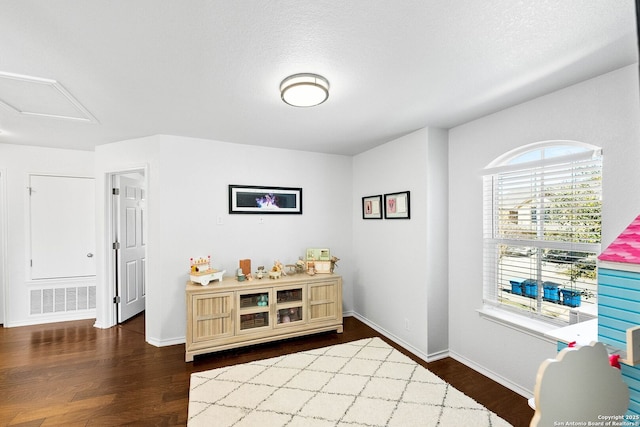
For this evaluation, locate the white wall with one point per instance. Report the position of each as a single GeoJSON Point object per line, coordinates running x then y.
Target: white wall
{"type": "Point", "coordinates": [401, 264]}
{"type": "Point", "coordinates": [17, 162]}
{"type": "Point", "coordinates": [188, 190]}
{"type": "Point", "coordinates": [437, 259]}
{"type": "Point", "coordinates": [603, 111]}
{"type": "Point", "coordinates": [138, 154]}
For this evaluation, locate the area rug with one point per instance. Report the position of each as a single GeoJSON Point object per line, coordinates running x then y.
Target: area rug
{"type": "Point", "coordinates": [361, 383]}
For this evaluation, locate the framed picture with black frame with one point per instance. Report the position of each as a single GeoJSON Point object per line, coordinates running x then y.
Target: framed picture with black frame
{"type": "Point", "coordinates": [397, 205]}
{"type": "Point", "coordinates": [259, 199]}
{"type": "Point", "coordinates": [372, 207]}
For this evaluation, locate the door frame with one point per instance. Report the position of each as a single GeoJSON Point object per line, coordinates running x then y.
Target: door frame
{"type": "Point", "coordinates": [3, 247]}
{"type": "Point", "coordinates": [110, 233]}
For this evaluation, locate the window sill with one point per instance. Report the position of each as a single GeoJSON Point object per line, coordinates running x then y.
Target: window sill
{"type": "Point", "coordinates": [527, 325]}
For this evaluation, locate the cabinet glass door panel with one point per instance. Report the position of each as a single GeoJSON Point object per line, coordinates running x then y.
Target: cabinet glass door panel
{"type": "Point", "coordinates": [289, 295]}
{"type": "Point", "coordinates": [254, 310]}
{"type": "Point", "coordinates": [290, 315]}
{"type": "Point", "coordinates": [254, 320]}
{"type": "Point", "coordinates": [290, 306]}
{"type": "Point", "coordinates": [254, 300]}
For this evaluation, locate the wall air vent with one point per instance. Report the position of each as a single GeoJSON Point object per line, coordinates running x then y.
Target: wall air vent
{"type": "Point", "coordinates": [63, 299]}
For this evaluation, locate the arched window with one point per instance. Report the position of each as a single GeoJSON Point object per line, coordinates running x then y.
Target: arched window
{"type": "Point", "coordinates": [542, 227]}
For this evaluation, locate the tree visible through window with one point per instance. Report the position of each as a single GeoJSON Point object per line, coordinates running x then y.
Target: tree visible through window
{"type": "Point", "coordinates": [542, 230]}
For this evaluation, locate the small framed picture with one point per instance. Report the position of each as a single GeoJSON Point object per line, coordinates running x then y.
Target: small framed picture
{"type": "Point", "coordinates": [372, 207]}
{"type": "Point", "coordinates": [396, 205]}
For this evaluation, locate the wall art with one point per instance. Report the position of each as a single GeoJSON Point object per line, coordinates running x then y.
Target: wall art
{"type": "Point", "coordinates": [372, 207]}
{"type": "Point", "coordinates": [396, 205]}
{"type": "Point", "coordinates": [255, 199]}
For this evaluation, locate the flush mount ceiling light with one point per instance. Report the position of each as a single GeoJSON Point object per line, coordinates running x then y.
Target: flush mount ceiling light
{"type": "Point", "coordinates": [304, 90]}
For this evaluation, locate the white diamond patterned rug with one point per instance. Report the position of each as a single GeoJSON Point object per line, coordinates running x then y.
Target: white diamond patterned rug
{"type": "Point", "coordinates": [356, 384]}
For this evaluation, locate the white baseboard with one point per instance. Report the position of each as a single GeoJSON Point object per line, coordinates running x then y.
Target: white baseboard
{"type": "Point", "coordinates": [494, 376]}
{"type": "Point", "coordinates": [167, 342]}
{"type": "Point", "coordinates": [447, 353]}
{"type": "Point", "coordinates": [61, 317]}
{"type": "Point", "coordinates": [101, 325]}
{"type": "Point", "coordinates": [399, 341]}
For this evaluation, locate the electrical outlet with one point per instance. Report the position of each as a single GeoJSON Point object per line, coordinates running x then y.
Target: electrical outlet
{"type": "Point", "coordinates": [219, 220]}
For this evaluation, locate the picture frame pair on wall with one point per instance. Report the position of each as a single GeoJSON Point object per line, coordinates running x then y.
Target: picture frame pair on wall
{"type": "Point", "coordinates": [392, 205]}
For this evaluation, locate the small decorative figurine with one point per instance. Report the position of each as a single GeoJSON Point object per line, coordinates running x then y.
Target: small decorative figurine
{"type": "Point", "coordinates": [278, 264]}
{"type": "Point", "coordinates": [260, 273]}
{"type": "Point", "coordinates": [311, 268]}
{"type": "Point", "coordinates": [276, 270]}
{"type": "Point", "coordinates": [274, 273]}
{"type": "Point", "coordinates": [334, 262]}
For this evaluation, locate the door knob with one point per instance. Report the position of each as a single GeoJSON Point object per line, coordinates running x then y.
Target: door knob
{"type": "Point", "coordinates": [89, 255]}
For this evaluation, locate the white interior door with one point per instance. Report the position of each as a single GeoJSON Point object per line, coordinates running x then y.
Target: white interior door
{"type": "Point", "coordinates": [62, 226]}
{"type": "Point", "coordinates": [131, 254]}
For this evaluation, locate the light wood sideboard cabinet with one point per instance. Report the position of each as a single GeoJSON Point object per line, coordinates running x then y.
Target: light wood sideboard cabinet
{"type": "Point", "coordinates": [229, 314]}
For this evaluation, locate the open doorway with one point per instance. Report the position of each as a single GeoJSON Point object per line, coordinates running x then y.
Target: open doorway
{"type": "Point", "coordinates": [128, 222]}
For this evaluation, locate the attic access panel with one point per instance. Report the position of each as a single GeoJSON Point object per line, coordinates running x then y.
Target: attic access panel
{"type": "Point", "coordinates": [35, 96]}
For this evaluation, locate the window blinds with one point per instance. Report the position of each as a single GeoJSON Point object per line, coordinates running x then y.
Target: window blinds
{"type": "Point", "coordinates": [547, 210]}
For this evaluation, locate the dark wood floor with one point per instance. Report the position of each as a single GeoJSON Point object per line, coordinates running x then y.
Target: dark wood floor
{"type": "Point", "coordinates": [73, 374]}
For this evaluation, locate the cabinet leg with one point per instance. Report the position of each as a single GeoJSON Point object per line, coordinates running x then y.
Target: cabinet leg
{"type": "Point", "coordinates": [340, 329]}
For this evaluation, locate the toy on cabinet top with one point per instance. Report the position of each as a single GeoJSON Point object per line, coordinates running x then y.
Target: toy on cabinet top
{"type": "Point", "coordinates": [290, 269]}
{"type": "Point", "coordinates": [334, 263]}
{"type": "Point", "coordinates": [318, 254]}
{"type": "Point", "coordinates": [201, 271]}
{"type": "Point", "coordinates": [320, 261]}
{"type": "Point", "coordinates": [277, 270]}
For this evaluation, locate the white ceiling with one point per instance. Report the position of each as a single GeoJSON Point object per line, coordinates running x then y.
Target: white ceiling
{"type": "Point", "coordinates": [211, 69]}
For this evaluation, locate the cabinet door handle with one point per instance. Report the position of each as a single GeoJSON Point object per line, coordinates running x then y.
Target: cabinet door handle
{"type": "Point", "coordinates": [89, 255]}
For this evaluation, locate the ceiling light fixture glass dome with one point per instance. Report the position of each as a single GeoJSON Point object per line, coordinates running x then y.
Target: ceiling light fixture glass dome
{"type": "Point", "coordinates": [304, 90]}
